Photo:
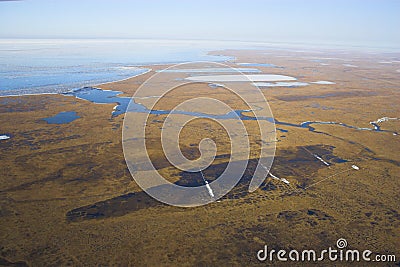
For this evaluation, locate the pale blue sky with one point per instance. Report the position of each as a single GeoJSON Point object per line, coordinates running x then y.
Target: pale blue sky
{"type": "Point", "coordinates": [355, 22]}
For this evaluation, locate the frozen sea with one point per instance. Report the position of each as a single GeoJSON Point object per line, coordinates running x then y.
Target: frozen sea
{"type": "Point", "coordinates": [54, 66]}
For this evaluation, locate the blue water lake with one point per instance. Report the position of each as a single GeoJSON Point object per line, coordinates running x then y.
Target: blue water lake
{"type": "Point", "coordinates": [122, 104]}
{"type": "Point", "coordinates": [62, 118]}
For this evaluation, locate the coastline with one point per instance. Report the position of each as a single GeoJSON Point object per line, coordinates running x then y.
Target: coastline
{"type": "Point", "coordinates": [60, 91]}
{"type": "Point", "coordinates": [121, 80]}
{"type": "Point", "coordinates": [52, 91]}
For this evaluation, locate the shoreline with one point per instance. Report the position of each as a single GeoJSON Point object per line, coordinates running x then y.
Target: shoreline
{"type": "Point", "coordinates": [121, 80]}
{"type": "Point", "coordinates": [69, 90]}
{"type": "Point", "coordinates": [49, 93]}
{"type": "Point", "coordinates": [97, 85]}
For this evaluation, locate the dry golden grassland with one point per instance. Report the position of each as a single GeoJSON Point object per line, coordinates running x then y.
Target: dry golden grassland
{"type": "Point", "coordinates": [67, 197]}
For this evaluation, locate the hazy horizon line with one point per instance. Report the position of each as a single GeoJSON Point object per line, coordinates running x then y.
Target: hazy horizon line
{"type": "Point", "coordinates": [327, 44]}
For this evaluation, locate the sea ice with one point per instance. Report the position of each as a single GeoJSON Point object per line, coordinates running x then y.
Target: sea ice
{"type": "Point", "coordinates": [280, 84]}
{"type": "Point", "coordinates": [242, 78]}
{"type": "Point", "coordinates": [323, 82]}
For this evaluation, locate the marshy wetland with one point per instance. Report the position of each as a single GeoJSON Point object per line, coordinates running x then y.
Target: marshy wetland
{"type": "Point", "coordinates": [68, 198]}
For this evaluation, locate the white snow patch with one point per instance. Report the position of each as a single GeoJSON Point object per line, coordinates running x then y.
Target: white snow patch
{"type": "Point", "coordinates": [350, 65]}
{"type": "Point", "coordinates": [279, 179]}
{"type": "Point", "coordinates": [215, 85]}
{"type": "Point", "coordinates": [383, 119]}
{"type": "Point", "coordinates": [4, 137]}
{"type": "Point", "coordinates": [280, 84]}
{"type": "Point", "coordinates": [355, 167]}
{"type": "Point", "coordinates": [129, 68]}
{"type": "Point", "coordinates": [221, 70]}
{"type": "Point", "coordinates": [242, 78]}
{"type": "Point", "coordinates": [323, 82]}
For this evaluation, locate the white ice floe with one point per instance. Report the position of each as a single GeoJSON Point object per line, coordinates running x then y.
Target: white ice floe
{"type": "Point", "coordinates": [323, 82]}
{"type": "Point", "coordinates": [129, 68]}
{"type": "Point", "coordinates": [215, 85]}
{"type": "Point", "coordinates": [22, 94]}
{"type": "Point", "coordinates": [242, 78]}
{"type": "Point", "coordinates": [4, 137]}
{"type": "Point", "coordinates": [350, 65]}
{"type": "Point", "coordinates": [256, 64]}
{"type": "Point", "coordinates": [212, 70]}
{"type": "Point", "coordinates": [324, 64]}
{"type": "Point", "coordinates": [355, 167]}
{"type": "Point", "coordinates": [280, 84]}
